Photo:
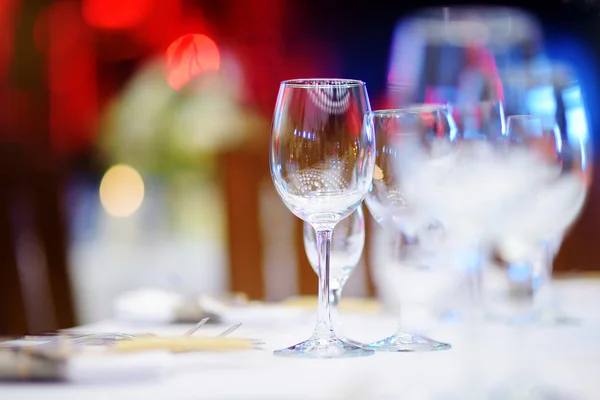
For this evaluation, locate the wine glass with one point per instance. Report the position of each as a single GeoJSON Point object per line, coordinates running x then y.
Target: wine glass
{"type": "Point", "coordinates": [452, 54]}
{"type": "Point", "coordinates": [322, 165]}
{"type": "Point", "coordinates": [560, 174]}
{"type": "Point", "coordinates": [552, 93]}
{"type": "Point", "coordinates": [347, 245]}
{"type": "Point", "coordinates": [393, 210]}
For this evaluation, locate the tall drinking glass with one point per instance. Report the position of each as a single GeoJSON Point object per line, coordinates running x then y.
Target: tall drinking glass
{"type": "Point", "coordinates": [322, 164]}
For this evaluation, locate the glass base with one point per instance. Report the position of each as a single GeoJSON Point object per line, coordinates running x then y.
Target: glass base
{"type": "Point", "coordinates": [405, 342]}
{"type": "Point", "coordinates": [330, 347]}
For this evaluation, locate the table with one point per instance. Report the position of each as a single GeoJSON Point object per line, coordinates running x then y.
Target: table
{"type": "Point", "coordinates": [567, 358]}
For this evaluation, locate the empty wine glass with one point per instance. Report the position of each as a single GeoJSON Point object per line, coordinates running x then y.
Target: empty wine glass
{"type": "Point", "coordinates": [322, 165]}
{"type": "Point", "coordinates": [452, 54]}
{"type": "Point", "coordinates": [392, 209]}
{"type": "Point", "coordinates": [560, 175]}
{"type": "Point", "coordinates": [552, 93]}
{"type": "Point", "coordinates": [347, 243]}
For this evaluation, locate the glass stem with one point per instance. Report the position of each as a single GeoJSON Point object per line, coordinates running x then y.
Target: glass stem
{"type": "Point", "coordinates": [324, 328]}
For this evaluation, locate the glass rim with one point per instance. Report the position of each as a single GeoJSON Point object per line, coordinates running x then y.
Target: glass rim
{"type": "Point", "coordinates": [396, 112]}
{"type": "Point", "coordinates": [308, 83]}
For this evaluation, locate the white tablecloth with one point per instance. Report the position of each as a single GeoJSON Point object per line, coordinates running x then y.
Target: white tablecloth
{"type": "Point", "coordinates": [564, 358]}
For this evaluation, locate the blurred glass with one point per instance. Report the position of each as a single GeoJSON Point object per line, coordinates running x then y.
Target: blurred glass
{"type": "Point", "coordinates": [556, 129]}
{"type": "Point", "coordinates": [390, 205]}
{"type": "Point", "coordinates": [472, 58]}
{"type": "Point", "coordinates": [486, 63]}
{"type": "Point", "coordinates": [452, 54]}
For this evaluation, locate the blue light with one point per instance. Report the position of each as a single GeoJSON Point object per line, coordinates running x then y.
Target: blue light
{"type": "Point", "coordinates": [577, 124]}
{"type": "Point", "coordinates": [576, 119]}
{"type": "Point", "coordinates": [541, 101]}
{"type": "Point", "coordinates": [572, 97]}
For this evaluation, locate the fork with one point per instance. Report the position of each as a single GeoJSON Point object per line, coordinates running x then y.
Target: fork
{"type": "Point", "coordinates": [195, 328]}
{"type": "Point", "coordinates": [229, 330]}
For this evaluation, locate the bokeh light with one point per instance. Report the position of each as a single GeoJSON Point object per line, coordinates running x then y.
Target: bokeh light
{"type": "Point", "coordinates": [190, 56]}
{"type": "Point", "coordinates": [121, 191]}
{"type": "Point", "coordinates": [116, 14]}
